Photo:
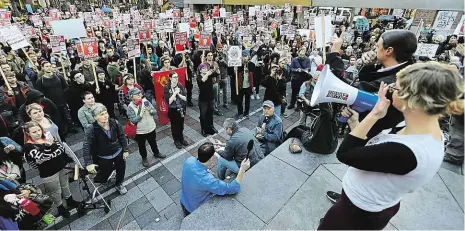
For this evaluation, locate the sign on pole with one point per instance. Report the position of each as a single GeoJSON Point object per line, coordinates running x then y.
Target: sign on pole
{"type": "Point", "coordinates": [205, 41]}
{"type": "Point", "coordinates": [89, 48]}
{"type": "Point", "coordinates": [13, 36]}
{"type": "Point", "coordinates": [234, 56]}
{"type": "Point", "coordinates": [58, 43]}
{"type": "Point", "coordinates": [425, 49]}
{"type": "Point", "coordinates": [180, 42]}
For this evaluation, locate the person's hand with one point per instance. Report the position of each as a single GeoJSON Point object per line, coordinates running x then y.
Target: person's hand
{"type": "Point", "coordinates": [92, 168]}
{"type": "Point", "coordinates": [259, 136]}
{"type": "Point", "coordinates": [98, 91]}
{"type": "Point", "coordinates": [49, 141]}
{"type": "Point", "coordinates": [11, 176]}
{"type": "Point", "coordinates": [253, 88]}
{"type": "Point", "coordinates": [25, 193]}
{"type": "Point", "coordinates": [342, 28]}
{"type": "Point", "coordinates": [337, 43]}
{"type": "Point", "coordinates": [178, 90]}
{"type": "Point", "coordinates": [10, 92]}
{"type": "Point", "coordinates": [245, 164]}
{"type": "Point", "coordinates": [299, 70]}
{"type": "Point", "coordinates": [125, 155]}
{"type": "Point", "coordinates": [259, 130]}
{"type": "Point", "coordinates": [9, 148]}
{"type": "Point", "coordinates": [368, 57]}
{"type": "Point", "coordinates": [351, 114]}
{"type": "Point", "coordinates": [381, 107]}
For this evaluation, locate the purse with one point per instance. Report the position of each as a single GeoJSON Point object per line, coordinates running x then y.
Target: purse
{"type": "Point", "coordinates": [130, 129]}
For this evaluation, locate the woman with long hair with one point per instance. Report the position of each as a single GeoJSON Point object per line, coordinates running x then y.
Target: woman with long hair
{"type": "Point", "coordinates": [386, 167]}
{"type": "Point", "coordinates": [48, 156]}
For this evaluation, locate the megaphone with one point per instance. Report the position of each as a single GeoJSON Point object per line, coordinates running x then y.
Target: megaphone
{"type": "Point", "coordinates": [330, 89]}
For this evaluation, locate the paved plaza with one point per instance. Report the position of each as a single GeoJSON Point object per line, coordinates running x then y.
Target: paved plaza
{"type": "Point", "coordinates": [283, 191]}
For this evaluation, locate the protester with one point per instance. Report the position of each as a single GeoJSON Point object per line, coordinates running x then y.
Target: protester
{"type": "Point", "coordinates": [205, 83]}
{"type": "Point", "coordinates": [175, 96]}
{"type": "Point", "coordinates": [234, 151]}
{"type": "Point", "coordinates": [74, 95]}
{"type": "Point", "coordinates": [123, 94]}
{"type": "Point", "coordinates": [17, 96]}
{"type": "Point", "coordinates": [270, 130]}
{"type": "Point", "coordinates": [245, 83]}
{"type": "Point", "coordinates": [300, 69]}
{"type": "Point", "coordinates": [48, 156]}
{"type": "Point", "coordinates": [198, 185]}
{"type": "Point", "coordinates": [142, 113]}
{"type": "Point", "coordinates": [408, 157]}
{"type": "Point", "coordinates": [107, 93]}
{"type": "Point", "coordinates": [275, 92]}
{"type": "Point", "coordinates": [85, 112]}
{"type": "Point", "coordinates": [106, 146]}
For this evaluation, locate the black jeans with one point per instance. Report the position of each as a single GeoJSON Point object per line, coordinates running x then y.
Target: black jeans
{"type": "Point", "coordinates": [295, 85]}
{"type": "Point", "coordinates": [189, 87]}
{"type": "Point", "coordinates": [232, 84]}
{"type": "Point", "coordinates": [206, 116]}
{"type": "Point", "coordinates": [106, 166]}
{"type": "Point", "coordinates": [64, 114]}
{"type": "Point", "coordinates": [150, 137]}
{"type": "Point", "coordinates": [243, 92]}
{"type": "Point", "coordinates": [177, 124]}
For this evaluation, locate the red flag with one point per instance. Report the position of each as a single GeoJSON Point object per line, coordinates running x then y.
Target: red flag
{"type": "Point", "coordinates": [160, 78]}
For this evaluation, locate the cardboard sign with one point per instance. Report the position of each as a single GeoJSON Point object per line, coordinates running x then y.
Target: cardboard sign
{"type": "Point", "coordinates": [168, 25]}
{"type": "Point", "coordinates": [180, 42]}
{"type": "Point", "coordinates": [126, 19]}
{"type": "Point", "coordinates": [298, 9]}
{"type": "Point", "coordinates": [54, 14]}
{"type": "Point", "coordinates": [89, 48]}
{"type": "Point", "coordinates": [219, 27]}
{"type": "Point", "coordinates": [425, 49]}
{"type": "Point", "coordinates": [222, 12]}
{"type": "Point", "coordinates": [460, 27]}
{"type": "Point", "coordinates": [133, 48]}
{"type": "Point", "coordinates": [234, 56]}
{"type": "Point", "coordinates": [208, 26]}
{"type": "Point", "coordinates": [71, 28]}
{"type": "Point", "coordinates": [144, 35]}
{"type": "Point", "coordinates": [30, 31]}
{"type": "Point", "coordinates": [444, 20]}
{"type": "Point", "coordinates": [240, 16]}
{"type": "Point", "coordinates": [426, 15]}
{"type": "Point", "coordinates": [205, 41]}
{"type": "Point", "coordinates": [319, 31]}
{"type": "Point", "coordinates": [58, 43]}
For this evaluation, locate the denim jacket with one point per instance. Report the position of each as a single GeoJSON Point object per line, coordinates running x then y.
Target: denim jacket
{"type": "Point", "coordinates": [272, 134]}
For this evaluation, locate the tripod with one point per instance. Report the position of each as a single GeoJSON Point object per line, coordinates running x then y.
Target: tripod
{"type": "Point", "coordinates": [94, 200]}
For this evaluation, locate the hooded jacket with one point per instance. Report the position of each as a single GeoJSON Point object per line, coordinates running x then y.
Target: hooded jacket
{"type": "Point", "coordinates": [10, 99]}
{"type": "Point", "coordinates": [34, 96]}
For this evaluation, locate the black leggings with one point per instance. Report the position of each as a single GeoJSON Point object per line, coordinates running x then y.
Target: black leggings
{"type": "Point", "coordinates": [150, 137]}
{"type": "Point", "coordinates": [346, 216]}
{"type": "Point", "coordinates": [177, 124]}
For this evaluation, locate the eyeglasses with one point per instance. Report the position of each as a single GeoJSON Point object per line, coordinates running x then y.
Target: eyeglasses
{"type": "Point", "coordinates": [393, 88]}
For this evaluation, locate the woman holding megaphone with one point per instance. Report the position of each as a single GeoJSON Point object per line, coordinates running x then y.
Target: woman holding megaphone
{"type": "Point", "coordinates": [386, 167]}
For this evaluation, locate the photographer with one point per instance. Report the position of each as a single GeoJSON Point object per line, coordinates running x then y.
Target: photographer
{"type": "Point", "coordinates": [275, 86]}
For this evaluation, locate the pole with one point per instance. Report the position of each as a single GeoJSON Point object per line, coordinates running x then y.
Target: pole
{"type": "Point", "coordinates": [95, 78]}
{"type": "Point", "coordinates": [28, 58]}
{"type": "Point", "coordinates": [185, 65]}
{"type": "Point", "coordinates": [4, 79]}
{"type": "Point", "coordinates": [237, 82]}
{"type": "Point", "coordinates": [134, 63]}
{"type": "Point", "coordinates": [324, 37]}
{"type": "Point", "coordinates": [63, 67]}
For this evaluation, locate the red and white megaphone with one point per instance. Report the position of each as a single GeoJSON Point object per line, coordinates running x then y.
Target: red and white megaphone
{"type": "Point", "coordinates": [330, 89]}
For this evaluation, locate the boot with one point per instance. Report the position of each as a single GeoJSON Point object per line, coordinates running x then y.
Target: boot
{"type": "Point", "coordinates": [63, 211]}
{"type": "Point", "coordinates": [72, 203]}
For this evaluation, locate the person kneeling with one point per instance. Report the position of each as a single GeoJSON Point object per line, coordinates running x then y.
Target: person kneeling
{"type": "Point", "coordinates": [107, 147]}
{"type": "Point", "coordinates": [269, 130]}
{"type": "Point", "coordinates": [198, 184]}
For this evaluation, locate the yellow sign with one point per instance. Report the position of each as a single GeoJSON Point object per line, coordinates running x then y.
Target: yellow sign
{"type": "Point", "coordinates": [264, 2]}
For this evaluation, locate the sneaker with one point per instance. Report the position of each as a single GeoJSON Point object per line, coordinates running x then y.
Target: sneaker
{"type": "Point", "coordinates": [184, 142]}
{"type": "Point", "coordinates": [285, 115]}
{"type": "Point", "coordinates": [71, 203]}
{"type": "Point", "coordinates": [121, 189]}
{"type": "Point", "coordinates": [238, 117]}
{"type": "Point", "coordinates": [145, 162]}
{"type": "Point", "coordinates": [178, 144]}
{"type": "Point", "coordinates": [257, 97]}
{"type": "Point", "coordinates": [252, 97]}
{"type": "Point", "coordinates": [333, 196]}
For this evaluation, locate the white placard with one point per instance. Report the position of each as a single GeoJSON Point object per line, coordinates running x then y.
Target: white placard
{"type": "Point", "coordinates": [13, 36]}
{"type": "Point", "coordinates": [222, 12]}
{"type": "Point", "coordinates": [184, 27]}
{"type": "Point", "coordinates": [71, 28]}
{"type": "Point", "coordinates": [444, 20]}
{"type": "Point", "coordinates": [251, 11]}
{"type": "Point", "coordinates": [426, 49]}
{"type": "Point", "coordinates": [319, 30]}
{"type": "Point", "coordinates": [234, 56]}
{"type": "Point", "coordinates": [208, 25]}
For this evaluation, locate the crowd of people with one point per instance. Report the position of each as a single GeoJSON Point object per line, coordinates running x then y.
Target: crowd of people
{"type": "Point", "coordinates": [45, 96]}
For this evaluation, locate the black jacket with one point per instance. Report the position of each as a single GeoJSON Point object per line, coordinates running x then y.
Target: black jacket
{"type": "Point", "coordinates": [275, 89]}
{"type": "Point", "coordinates": [34, 96]}
{"type": "Point", "coordinates": [97, 142]}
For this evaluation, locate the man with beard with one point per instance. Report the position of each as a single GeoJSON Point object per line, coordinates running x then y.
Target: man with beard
{"type": "Point", "coordinates": [54, 86]}
{"type": "Point", "coordinates": [75, 90]}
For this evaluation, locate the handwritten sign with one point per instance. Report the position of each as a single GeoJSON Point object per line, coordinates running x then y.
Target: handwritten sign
{"type": "Point", "coordinates": [425, 49]}
{"type": "Point", "coordinates": [444, 20]}
{"type": "Point", "coordinates": [13, 36]}
{"type": "Point", "coordinates": [426, 15]}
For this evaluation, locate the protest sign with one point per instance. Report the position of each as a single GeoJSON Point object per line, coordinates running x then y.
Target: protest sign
{"type": "Point", "coordinates": [160, 79]}
{"type": "Point", "coordinates": [88, 48]}
{"type": "Point", "coordinates": [13, 36]}
{"type": "Point", "coordinates": [283, 29]}
{"type": "Point", "coordinates": [425, 49]}
{"type": "Point", "coordinates": [444, 20]}
{"type": "Point", "coordinates": [30, 31]}
{"type": "Point", "coordinates": [320, 28]}
{"type": "Point", "coordinates": [58, 43]}
{"type": "Point", "coordinates": [186, 12]}
{"type": "Point", "coordinates": [240, 16]}
{"type": "Point", "coordinates": [144, 35]}
{"type": "Point", "coordinates": [133, 48]}
{"type": "Point", "coordinates": [216, 12]}
{"type": "Point", "coordinates": [192, 22]}
{"type": "Point", "coordinates": [234, 56]}
{"type": "Point", "coordinates": [197, 17]}
{"type": "Point", "coordinates": [222, 13]}
{"type": "Point", "coordinates": [251, 11]}
{"type": "Point", "coordinates": [71, 28]}
{"type": "Point", "coordinates": [176, 14]}
{"type": "Point", "coordinates": [35, 19]}
{"type": "Point", "coordinates": [298, 9]}
{"type": "Point", "coordinates": [180, 42]}
{"type": "Point", "coordinates": [460, 27]}
{"type": "Point", "coordinates": [47, 20]}
{"type": "Point", "coordinates": [168, 25]}
{"type": "Point", "coordinates": [219, 27]}
{"type": "Point", "coordinates": [426, 15]}
{"type": "Point", "coordinates": [106, 22]}
{"type": "Point", "coordinates": [126, 19]}
{"type": "Point", "coordinates": [54, 14]}
{"type": "Point", "coordinates": [208, 26]}
{"type": "Point", "coordinates": [205, 41]}
{"type": "Point", "coordinates": [361, 24]}
{"type": "Point", "coordinates": [72, 9]}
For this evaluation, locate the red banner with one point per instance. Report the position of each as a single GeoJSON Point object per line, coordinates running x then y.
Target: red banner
{"type": "Point", "coordinates": [160, 78]}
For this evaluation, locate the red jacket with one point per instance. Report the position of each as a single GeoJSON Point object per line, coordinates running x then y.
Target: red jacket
{"type": "Point", "coordinates": [10, 99]}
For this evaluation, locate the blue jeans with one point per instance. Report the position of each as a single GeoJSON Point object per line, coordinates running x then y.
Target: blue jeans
{"type": "Point", "coordinates": [277, 110]}
{"type": "Point", "coordinates": [223, 165]}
